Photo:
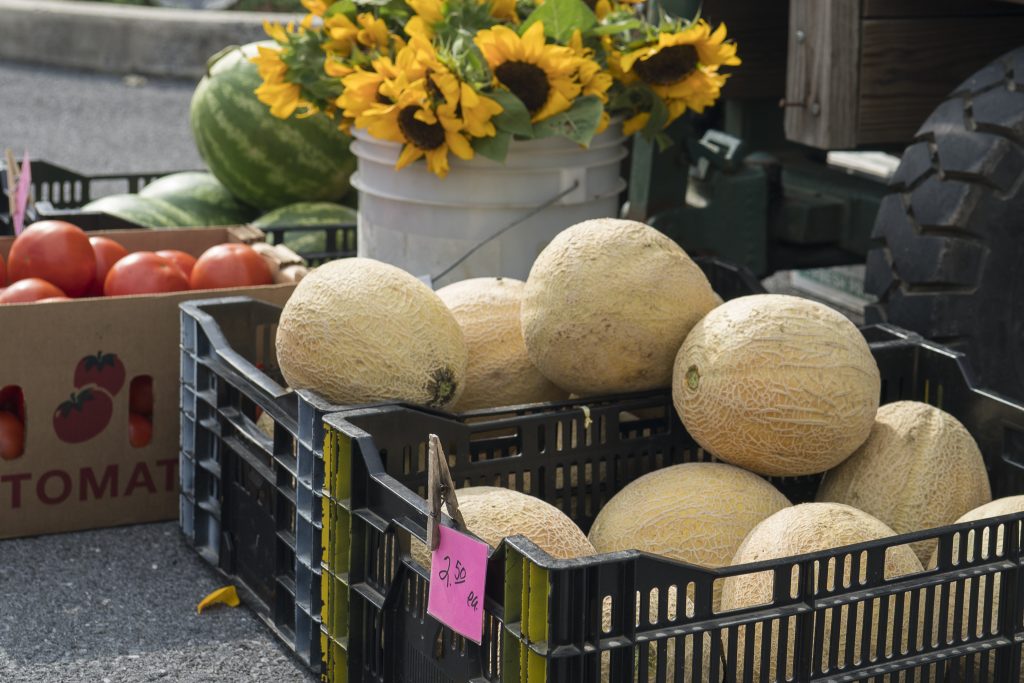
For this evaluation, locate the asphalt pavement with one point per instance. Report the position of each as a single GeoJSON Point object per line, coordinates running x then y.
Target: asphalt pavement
{"type": "Point", "coordinates": [115, 604]}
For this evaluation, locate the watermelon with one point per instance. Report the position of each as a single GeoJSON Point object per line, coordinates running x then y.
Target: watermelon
{"type": "Point", "coordinates": [309, 214]}
{"type": "Point", "coordinates": [149, 212]}
{"type": "Point", "coordinates": [264, 161]}
{"type": "Point", "coordinates": [201, 196]}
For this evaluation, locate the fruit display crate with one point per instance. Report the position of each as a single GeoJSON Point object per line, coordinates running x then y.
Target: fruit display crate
{"type": "Point", "coordinates": [621, 616]}
{"type": "Point", "coordinates": [251, 459]}
{"type": "Point", "coordinates": [60, 194]}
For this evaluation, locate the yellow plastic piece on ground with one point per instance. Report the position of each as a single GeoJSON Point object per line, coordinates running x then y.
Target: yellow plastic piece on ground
{"type": "Point", "coordinates": [225, 596]}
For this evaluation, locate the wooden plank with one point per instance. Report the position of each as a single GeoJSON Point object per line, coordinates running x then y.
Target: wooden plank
{"type": "Point", "coordinates": [821, 80]}
{"type": "Point", "coordinates": [908, 66]}
{"type": "Point", "coordinates": [759, 28]}
{"type": "Point", "coordinates": [938, 8]}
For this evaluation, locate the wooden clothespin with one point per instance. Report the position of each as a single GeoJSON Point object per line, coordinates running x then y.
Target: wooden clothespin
{"type": "Point", "coordinates": [440, 491]}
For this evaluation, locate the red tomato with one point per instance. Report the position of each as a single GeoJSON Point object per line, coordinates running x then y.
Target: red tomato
{"type": "Point", "coordinates": [3, 272]}
{"type": "Point", "coordinates": [144, 273]}
{"type": "Point", "coordinates": [105, 370]}
{"type": "Point", "coordinates": [140, 430]}
{"type": "Point", "coordinates": [84, 416]}
{"type": "Point", "coordinates": [230, 265]}
{"type": "Point", "coordinates": [108, 252]}
{"type": "Point", "coordinates": [180, 258]}
{"type": "Point", "coordinates": [29, 289]}
{"type": "Point", "coordinates": [54, 251]}
{"type": "Point", "coordinates": [12, 436]}
{"type": "Point", "coordinates": [140, 395]}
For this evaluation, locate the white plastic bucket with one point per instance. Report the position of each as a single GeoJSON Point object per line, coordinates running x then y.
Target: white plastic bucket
{"type": "Point", "coordinates": [419, 222]}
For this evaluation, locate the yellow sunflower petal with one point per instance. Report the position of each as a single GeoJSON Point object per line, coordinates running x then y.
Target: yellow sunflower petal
{"type": "Point", "coordinates": [275, 31]}
{"type": "Point", "coordinates": [533, 42]}
{"type": "Point", "coordinates": [458, 145]}
{"type": "Point", "coordinates": [410, 153]}
{"type": "Point", "coordinates": [437, 161]}
{"type": "Point", "coordinates": [636, 123]}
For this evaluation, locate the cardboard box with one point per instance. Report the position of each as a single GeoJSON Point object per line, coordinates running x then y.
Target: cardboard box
{"type": "Point", "coordinates": [101, 481]}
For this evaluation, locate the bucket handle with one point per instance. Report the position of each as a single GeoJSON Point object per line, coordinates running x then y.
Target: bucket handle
{"type": "Point", "coordinates": [529, 214]}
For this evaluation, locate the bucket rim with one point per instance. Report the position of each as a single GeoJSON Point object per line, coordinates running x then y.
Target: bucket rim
{"type": "Point", "coordinates": [499, 168]}
{"type": "Point", "coordinates": [357, 183]}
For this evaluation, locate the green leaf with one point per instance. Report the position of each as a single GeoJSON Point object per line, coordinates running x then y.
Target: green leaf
{"type": "Point", "coordinates": [617, 27]}
{"type": "Point", "coordinates": [495, 148]}
{"type": "Point", "coordinates": [659, 117]}
{"type": "Point", "coordinates": [578, 123]}
{"type": "Point", "coordinates": [516, 118]}
{"type": "Point", "coordinates": [561, 18]}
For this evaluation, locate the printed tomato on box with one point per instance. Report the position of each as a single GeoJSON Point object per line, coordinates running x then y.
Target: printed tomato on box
{"type": "Point", "coordinates": [104, 370]}
{"type": "Point", "coordinates": [83, 416]}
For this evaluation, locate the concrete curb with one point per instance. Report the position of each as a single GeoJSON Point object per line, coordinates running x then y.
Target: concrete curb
{"type": "Point", "coordinates": [122, 38]}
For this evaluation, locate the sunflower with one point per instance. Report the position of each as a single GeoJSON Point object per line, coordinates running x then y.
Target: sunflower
{"type": "Point", "coordinates": [315, 7]}
{"type": "Point", "coordinates": [275, 91]}
{"type": "Point", "coordinates": [362, 89]}
{"type": "Point", "coordinates": [373, 33]}
{"type": "Point", "coordinates": [342, 33]}
{"type": "Point", "coordinates": [676, 57]}
{"type": "Point", "coordinates": [680, 67]}
{"type": "Point", "coordinates": [428, 14]}
{"type": "Point", "coordinates": [543, 77]}
{"type": "Point", "coordinates": [477, 112]}
{"type": "Point", "coordinates": [423, 129]}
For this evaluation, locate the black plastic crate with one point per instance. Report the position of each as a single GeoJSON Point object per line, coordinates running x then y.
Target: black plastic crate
{"type": "Point", "coordinates": [544, 616]}
{"type": "Point", "coordinates": [250, 503]}
{"type": "Point", "coordinates": [60, 193]}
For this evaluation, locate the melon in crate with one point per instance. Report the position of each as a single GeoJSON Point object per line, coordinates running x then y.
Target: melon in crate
{"type": "Point", "coordinates": [809, 528]}
{"type": "Point", "coordinates": [776, 384]}
{"type": "Point", "coordinates": [360, 331]}
{"type": "Point", "coordinates": [264, 161]}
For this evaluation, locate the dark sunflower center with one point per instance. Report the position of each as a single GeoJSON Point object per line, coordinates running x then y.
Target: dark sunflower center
{"type": "Point", "coordinates": [528, 82]}
{"type": "Point", "coordinates": [669, 66]}
{"type": "Point", "coordinates": [426, 136]}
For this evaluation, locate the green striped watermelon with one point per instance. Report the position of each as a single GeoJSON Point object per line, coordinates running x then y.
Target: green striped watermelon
{"type": "Point", "coordinates": [264, 161]}
{"type": "Point", "coordinates": [310, 214]}
{"type": "Point", "coordinates": [149, 212]}
{"type": "Point", "coordinates": [201, 196]}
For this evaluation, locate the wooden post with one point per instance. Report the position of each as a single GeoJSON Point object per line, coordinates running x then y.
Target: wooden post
{"type": "Point", "coordinates": [822, 75]}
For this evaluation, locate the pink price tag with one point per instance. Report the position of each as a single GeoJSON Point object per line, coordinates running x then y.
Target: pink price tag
{"type": "Point", "coordinates": [21, 193]}
{"type": "Point", "coordinates": [458, 570]}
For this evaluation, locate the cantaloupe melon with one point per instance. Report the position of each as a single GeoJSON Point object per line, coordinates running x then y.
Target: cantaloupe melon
{"type": "Point", "coordinates": [980, 593]}
{"type": "Point", "coordinates": [494, 513]}
{"type": "Point", "coordinates": [608, 303]}
{"type": "Point", "coordinates": [500, 372]}
{"type": "Point", "coordinates": [919, 469]}
{"type": "Point", "coordinates": [776, 384]}
{"type": "Point", "coordinates": [357, 330]}
{"type": "Point", "coordinates": [696, 512]}
{"type": "Point", "coordinates": [803, 529]}
{"type": "Point", "coordinates": [660, 608]}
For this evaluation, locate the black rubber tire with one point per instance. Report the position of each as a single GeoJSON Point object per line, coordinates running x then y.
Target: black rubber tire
{"type": "Point", "coordinates": [950, 257]}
